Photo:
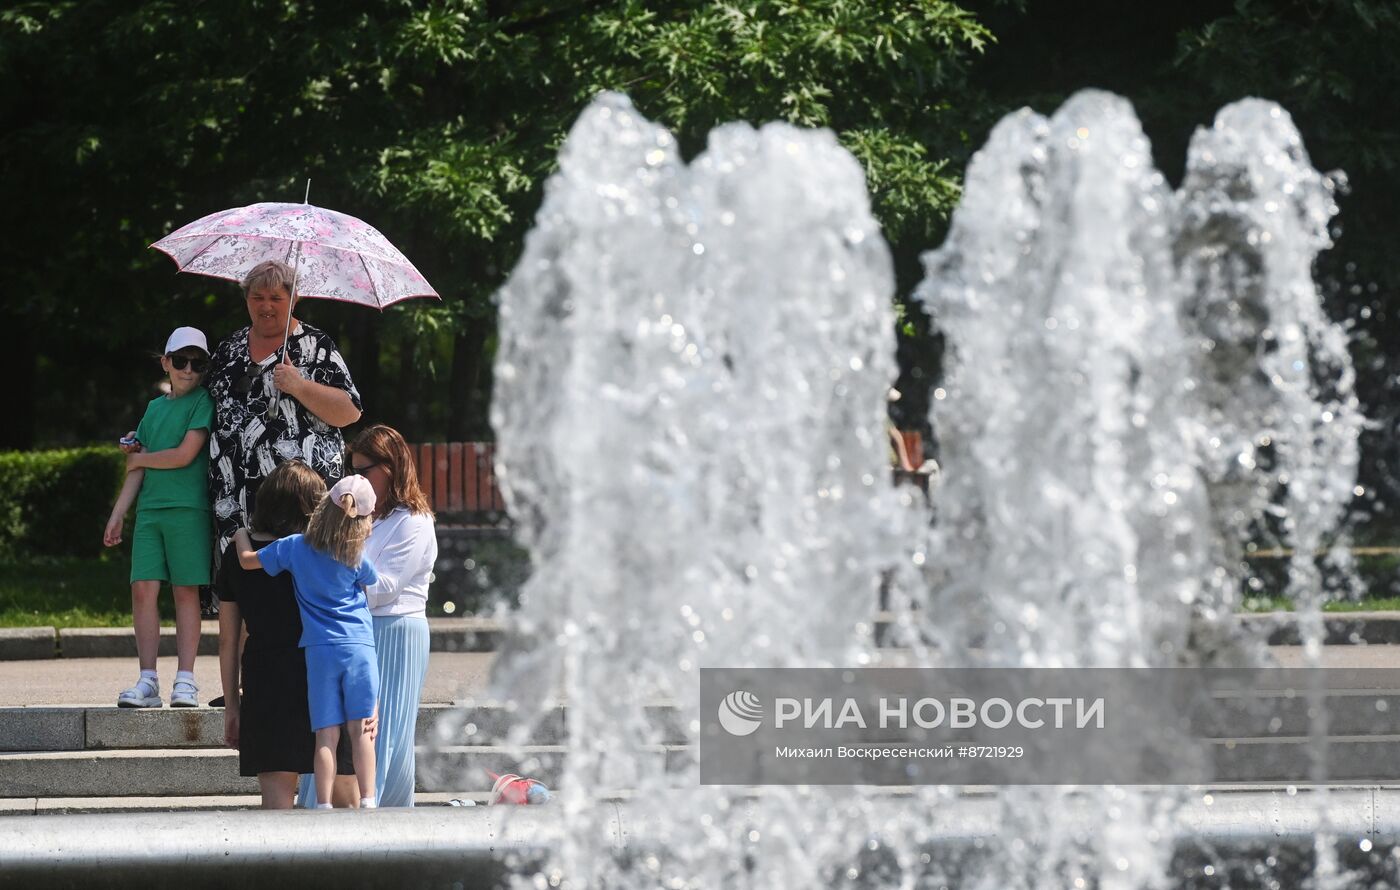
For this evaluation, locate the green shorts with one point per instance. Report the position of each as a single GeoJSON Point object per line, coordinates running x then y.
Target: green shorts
{"type": "Point", "coordinates": [172, 544]}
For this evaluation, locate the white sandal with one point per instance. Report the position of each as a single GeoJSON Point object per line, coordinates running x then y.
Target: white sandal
{"type": "Point", "coordinates": [145, 694]}
{"type": "Point", "coordinates": [184, 694]}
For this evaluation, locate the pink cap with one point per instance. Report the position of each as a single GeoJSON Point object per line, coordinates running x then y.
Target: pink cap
{"type": "Point", "coordinates": [357, 487]}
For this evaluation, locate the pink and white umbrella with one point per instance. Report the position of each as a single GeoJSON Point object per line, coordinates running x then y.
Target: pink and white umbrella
{"type": "Point", "coordinates": [335, 256]}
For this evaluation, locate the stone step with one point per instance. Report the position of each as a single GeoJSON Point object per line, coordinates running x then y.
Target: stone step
{"type": "Point", "coordinates": [113, 728]}
{"type": "Point", "coordinates": [1348, 712]}
{"type": "Point", "coordinates": [59, 806]}
{"type": "Point", "coordinates": [181, 772]}
{"type": "Point", "coordinates": [132, 779]}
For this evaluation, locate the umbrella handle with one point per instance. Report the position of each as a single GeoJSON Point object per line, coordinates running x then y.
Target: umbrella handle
{"type": "Point", "coordinates": [287, 333]}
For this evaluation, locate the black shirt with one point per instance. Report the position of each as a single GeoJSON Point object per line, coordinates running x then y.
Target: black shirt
{"type": "Point", "coordinates": [266, 603]}
{"type": "Point", "coordinates": [246, 444]}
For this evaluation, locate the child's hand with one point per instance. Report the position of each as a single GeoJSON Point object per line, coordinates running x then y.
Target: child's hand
{"type": "Point", "coordinates": [231, 727]}
{"type": "Point", "coordinates": [128, 443]}
{"type": "Point", "coordinates": [134, 460]}
{"type": "Point", "coordinates": [371, 724]}
{"type": "Point", "coordinates": [112, 536]}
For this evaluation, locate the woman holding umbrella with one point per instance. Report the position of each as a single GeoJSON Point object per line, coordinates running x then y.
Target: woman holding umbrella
{"type": "Point", "coordinates": [273, 403]}
{"type": "Point", "coordinates": [281, 389]}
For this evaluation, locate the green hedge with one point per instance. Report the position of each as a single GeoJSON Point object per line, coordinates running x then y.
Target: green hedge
{"type": "Point", "coordinates": [55, 503]}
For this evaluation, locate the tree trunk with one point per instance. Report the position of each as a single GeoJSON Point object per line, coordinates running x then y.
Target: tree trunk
{"type": "Point", "coordinates": [17, 369]}
{"type": "Point", "coordinates": [406, 394]}
{"type": "Point", "coordinates": [366, 373]}
{"type": "Point", "coordinates": [468, 412]}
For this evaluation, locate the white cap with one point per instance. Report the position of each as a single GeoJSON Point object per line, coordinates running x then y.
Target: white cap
{"type": "Point", "coordinates": [183, 337]}
{"type": "Point", "coordinates": [357, 487]}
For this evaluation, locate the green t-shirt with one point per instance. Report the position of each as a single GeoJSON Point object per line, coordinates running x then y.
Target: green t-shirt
{"type": "Point", "coordinates": [164, 426]}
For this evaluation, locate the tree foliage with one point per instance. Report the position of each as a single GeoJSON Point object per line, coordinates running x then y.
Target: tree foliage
{"type": "Point", "coordinates": [1330, 63]}
{"type": "Point", "coordinates": [435, 122]}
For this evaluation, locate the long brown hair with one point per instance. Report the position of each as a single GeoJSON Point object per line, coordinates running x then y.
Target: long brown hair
{"type": "Point", "coordinates": [286, 499]}
{"type": "Point", "coordinates": [334, 532]}
{"type": "Point", "coordinates": [386, 446]}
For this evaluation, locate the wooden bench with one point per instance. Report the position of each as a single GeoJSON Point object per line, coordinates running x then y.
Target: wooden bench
{"type": "Point", "coordinates": [459, 478]}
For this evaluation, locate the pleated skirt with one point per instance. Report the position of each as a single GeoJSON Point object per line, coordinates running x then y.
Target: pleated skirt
{"type": "Point", "coordinates": [401, 643]}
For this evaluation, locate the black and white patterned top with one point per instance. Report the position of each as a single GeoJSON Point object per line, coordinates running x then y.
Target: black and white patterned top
{"type": "Point", "coordinates": [247, 444]}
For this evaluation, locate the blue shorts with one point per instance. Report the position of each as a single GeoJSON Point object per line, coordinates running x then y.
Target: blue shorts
{"type": "Point", "coordinates": [342, 683]}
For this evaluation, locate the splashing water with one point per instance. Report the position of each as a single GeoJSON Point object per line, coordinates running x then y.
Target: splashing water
{"type": "Point", "coordinates": [691, 390]}
{"type": "Point", "coordinates": [690, 405]}
{"type": "Point", "coordinates": [1118, 358]}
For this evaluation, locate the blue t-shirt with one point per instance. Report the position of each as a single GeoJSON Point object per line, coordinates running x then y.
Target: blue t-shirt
{"type": "Point", "coordinates": [330, 593]}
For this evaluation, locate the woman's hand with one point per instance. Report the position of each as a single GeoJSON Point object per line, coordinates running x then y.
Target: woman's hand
{"type": "Point", "coordinates": [287, 377]}
{"type": "Point", "coordinates": [371, 725]}
{"type": "Point", "coordinates": [331, 405]}
{"type": "Point", "coordinates": [231, 721]}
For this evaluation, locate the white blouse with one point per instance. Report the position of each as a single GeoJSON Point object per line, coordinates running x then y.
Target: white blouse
{"type": "Point", "coordinates": [403, 548]}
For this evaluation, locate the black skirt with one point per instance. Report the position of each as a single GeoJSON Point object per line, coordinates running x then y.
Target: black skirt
{"type": "Point", "coordinates": [274, 733]}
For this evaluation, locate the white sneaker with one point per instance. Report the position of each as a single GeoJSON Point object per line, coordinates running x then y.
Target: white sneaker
{"type": "Point", "coordinates": [145, 694]}
{"type": "Point", "coordinates": [184, 694]}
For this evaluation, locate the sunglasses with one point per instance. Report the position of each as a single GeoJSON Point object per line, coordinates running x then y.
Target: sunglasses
{"type": "Point", "coordinates": [361, 469]}
{"type": "Point", "coordinates": [250, 374]}
{"type": "Point", "coordinates": [197, 365]}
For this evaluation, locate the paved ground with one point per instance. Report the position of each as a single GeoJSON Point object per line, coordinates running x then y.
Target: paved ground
{"type": "Point", "coordinates": [451, 675]}
{"type": "Point", "coordinates": [1359, 656]}
{"type": "Point", "coordinates": [96, 681]}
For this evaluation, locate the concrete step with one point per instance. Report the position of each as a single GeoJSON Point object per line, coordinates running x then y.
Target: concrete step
{"type": "Point", "coordinates": [26, 778]}
{"type": "Point", "coordinates": [58, 806]}
{"type": "Point", "coordinates": [113, 728]}
{"type": "Point", "coordinates": [181, 772]}
{"type": "Point", "coordinates": [1349, 712]}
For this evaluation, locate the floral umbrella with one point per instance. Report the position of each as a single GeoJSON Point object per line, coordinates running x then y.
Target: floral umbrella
{"type": "Point", "coordinates": [335, 256]}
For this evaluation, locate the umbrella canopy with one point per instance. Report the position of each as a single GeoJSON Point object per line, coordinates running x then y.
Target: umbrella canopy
{"type": "Point", "coordinates": [336, 256]}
